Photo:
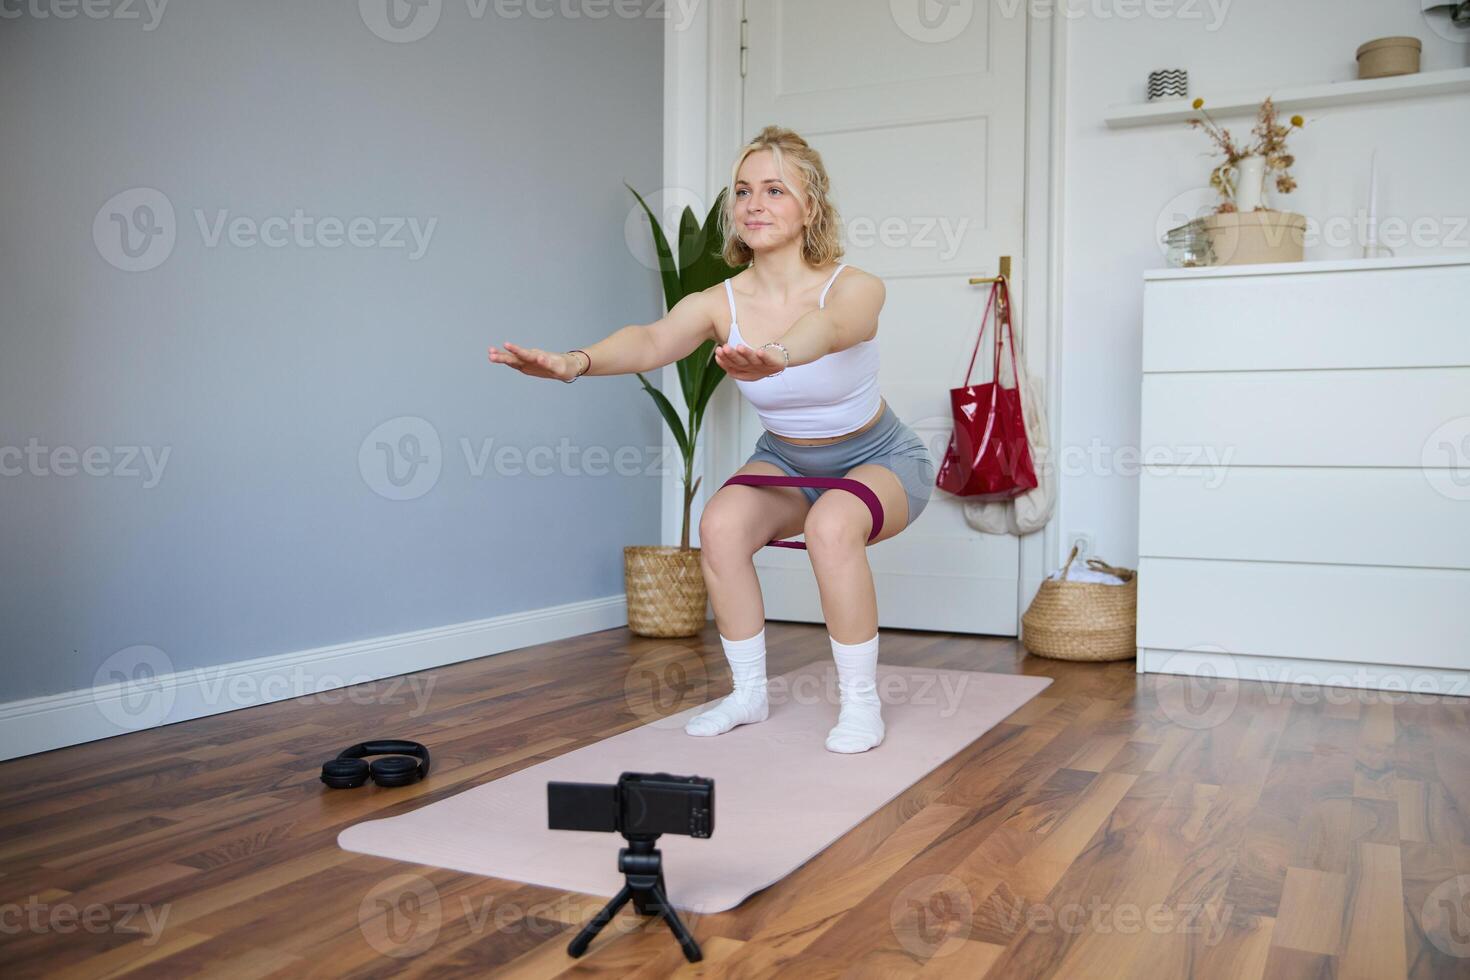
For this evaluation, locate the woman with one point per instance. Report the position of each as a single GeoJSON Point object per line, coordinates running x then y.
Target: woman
{"type": "Point", "coordinates": [804, 352]}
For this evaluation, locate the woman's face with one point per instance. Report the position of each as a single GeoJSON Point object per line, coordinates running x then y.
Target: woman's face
{"type": "Point", "coordinates": [766, 212]}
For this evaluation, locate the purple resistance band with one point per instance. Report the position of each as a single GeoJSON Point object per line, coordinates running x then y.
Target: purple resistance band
{"type": "Point", "coordinates": [862, 490]}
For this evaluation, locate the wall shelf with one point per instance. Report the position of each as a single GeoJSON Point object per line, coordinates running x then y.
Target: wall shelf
{"type": "Point", "coordinates": [1294, 97]}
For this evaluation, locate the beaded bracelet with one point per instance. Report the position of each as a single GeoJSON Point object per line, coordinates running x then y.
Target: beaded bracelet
{"type": "Point", "coordinates": [785, 353]}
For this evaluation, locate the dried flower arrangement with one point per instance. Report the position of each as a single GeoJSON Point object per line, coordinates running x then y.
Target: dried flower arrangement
{"type": "Point", "coordinates": [1270, 144]}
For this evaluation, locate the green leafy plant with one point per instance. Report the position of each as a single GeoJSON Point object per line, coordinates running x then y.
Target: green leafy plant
{"type": "Point", "coordinates": [698, 266]}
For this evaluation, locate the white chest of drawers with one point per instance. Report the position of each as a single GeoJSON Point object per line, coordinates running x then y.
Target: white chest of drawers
{"type": "Point", "coordinates": [1304, 500]}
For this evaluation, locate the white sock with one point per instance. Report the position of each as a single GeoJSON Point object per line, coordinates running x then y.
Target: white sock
{"type": "Point", "coordinates": [860, 720]}
{"type": "Point", "coordinates": [747, 703]}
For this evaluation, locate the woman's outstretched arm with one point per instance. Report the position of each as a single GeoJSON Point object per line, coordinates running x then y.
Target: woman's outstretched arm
{"type": "Point", "coordinates": [849, 318]}
{"type": "Point", "coordinates": [634, 348]}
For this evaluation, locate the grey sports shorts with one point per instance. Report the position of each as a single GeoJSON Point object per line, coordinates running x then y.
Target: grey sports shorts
{"type": "Point", "coordinates": [888, 443]}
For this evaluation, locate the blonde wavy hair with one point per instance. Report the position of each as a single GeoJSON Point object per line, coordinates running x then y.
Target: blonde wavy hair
{"type": "Point", "coordinates": [812, 189]}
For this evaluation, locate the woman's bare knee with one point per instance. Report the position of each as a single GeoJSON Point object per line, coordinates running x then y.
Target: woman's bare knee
{"type": "Point", "coordinates": [739, 519]}
{"type": "Point", "coordinates": [830, 529]}
{"type": "Point", "coordinates": [724, 531]}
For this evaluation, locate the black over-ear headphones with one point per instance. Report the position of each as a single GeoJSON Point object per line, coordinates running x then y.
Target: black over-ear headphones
{"type": "Point", "coordinates": [349, 769]}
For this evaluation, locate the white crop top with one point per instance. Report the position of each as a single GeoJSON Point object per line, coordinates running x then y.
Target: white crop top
{"type": "Point", "coordinates": [831, 396]}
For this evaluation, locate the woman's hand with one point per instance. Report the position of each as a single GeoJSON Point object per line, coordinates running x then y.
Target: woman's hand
{"type": "Point", "coordinates": [537, 363]}
{"type": "Point", "coordinates": [745, 364]}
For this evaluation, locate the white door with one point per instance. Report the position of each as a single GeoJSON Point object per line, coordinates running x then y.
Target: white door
{"type": "Point", "coordinates": [918, 110]}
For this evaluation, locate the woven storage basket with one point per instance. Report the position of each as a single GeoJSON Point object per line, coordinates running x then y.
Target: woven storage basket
{"type": "Point", "coordinates": [666, 591]}
{"type": "Point", "coordinates": [1084, 620]}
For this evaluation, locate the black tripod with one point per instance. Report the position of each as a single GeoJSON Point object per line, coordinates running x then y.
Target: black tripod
{"type": "Point", "coordinates": [642, 864]}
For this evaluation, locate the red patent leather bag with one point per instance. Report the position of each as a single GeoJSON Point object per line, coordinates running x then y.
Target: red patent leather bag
{"type": "Point", "coordinates": [989, 457]}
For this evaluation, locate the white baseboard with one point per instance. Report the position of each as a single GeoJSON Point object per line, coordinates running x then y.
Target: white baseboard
{"type": "Point", "coordinates": [1279, 673]}
{"type": "Point", "coordinates": [164, 697]}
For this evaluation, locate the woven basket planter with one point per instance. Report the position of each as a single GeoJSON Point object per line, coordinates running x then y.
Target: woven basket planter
{"type": "Point", "coordinates": [666, 591]}
{"type": "Point", "coordinates": [1084, 620]}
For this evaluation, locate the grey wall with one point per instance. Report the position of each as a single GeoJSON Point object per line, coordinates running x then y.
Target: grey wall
{"type": "Point", "coordinates": [261, 370]}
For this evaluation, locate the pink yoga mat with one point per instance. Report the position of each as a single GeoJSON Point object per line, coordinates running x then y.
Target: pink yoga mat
{"type": "Point", "coordinates": [780, 796]}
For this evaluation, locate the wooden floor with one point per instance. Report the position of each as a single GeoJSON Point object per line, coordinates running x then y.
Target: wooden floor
{"type": "Point", "coordinates": [1116, 826]}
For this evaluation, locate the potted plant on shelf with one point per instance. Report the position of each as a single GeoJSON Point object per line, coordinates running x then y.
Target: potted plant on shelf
{"type": "Point", "coordinates": [1243, 229]}
{"type": "Point", "coordinates": [665, 585]}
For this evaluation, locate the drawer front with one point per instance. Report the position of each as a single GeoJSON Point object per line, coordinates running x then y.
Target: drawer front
{"type": "Point", "coordinates": [1410, 317]}
{"type": "Point", "coordinates": [1399, 417]}
{"type": "Point", "coordinates": [1312, 612]}
{"type": "Point", "coordinates": [1328, 514]}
